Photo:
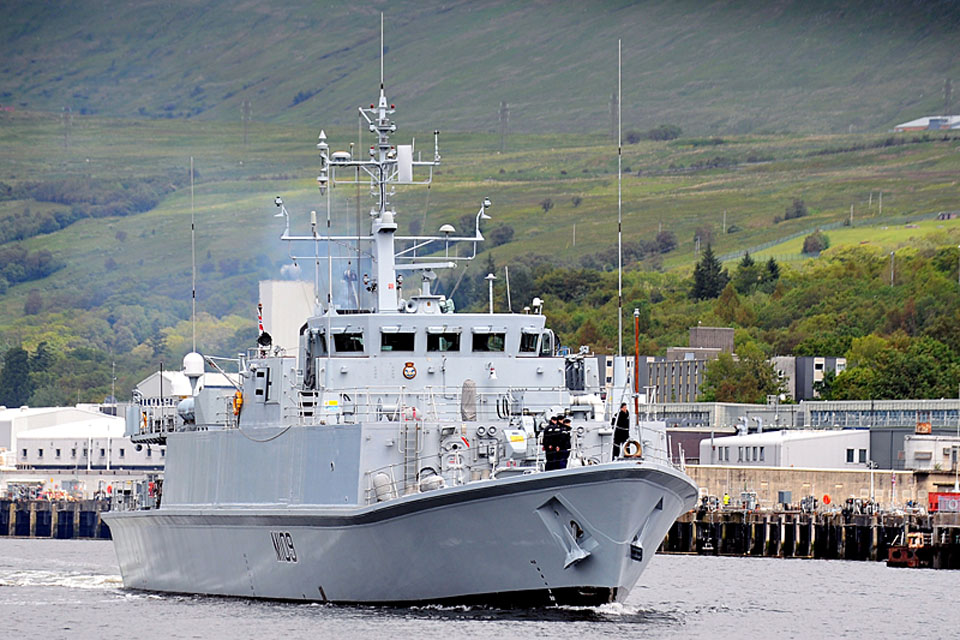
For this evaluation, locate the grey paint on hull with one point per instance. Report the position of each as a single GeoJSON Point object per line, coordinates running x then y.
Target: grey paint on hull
{"type": "Point", "coordinates": [494, 537]}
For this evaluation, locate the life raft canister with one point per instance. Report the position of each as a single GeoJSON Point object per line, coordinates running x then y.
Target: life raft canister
{"type": "Point", "coordinates": [237, 402]}
{"type": "Point", "coordinates": [632, 449]}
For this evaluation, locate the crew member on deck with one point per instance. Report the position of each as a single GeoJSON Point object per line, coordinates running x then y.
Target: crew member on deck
{"type": "Point", "coordinates": [621, 430]}
{"type": "Point", "coordinates": [556, 445]}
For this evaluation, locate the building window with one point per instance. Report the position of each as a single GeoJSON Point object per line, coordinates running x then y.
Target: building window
{"type": "Point", "coordinates": [73, 452]}
{"type": "Point", "coordinates": [57, 453]}
{"type": "Point", "coordinates": [863, 456]}
{"type": "Point", "coordinates": [761, 453]}
{"type": "Point", "coordinates": [122, 451]}
{"type": "Point", "coordinates": [850, 455]}
{"type": "Point", "coordinates": [754, 454]}
{"type": "Point", "coordinates": [739, 454]}
{"type": "Point", "coordinates": [103, 452]}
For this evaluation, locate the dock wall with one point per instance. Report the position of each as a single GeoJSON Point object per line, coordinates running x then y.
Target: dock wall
{"type": "Point", "coordinates": [46, 519]}
{"type": "Point", "coordinates": [833, 536]}
{"type": "Point", "coordinates": [890, 488]}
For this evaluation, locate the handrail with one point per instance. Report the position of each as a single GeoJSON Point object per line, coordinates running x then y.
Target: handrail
{"type": "Point", "coordinates": [463, 474]}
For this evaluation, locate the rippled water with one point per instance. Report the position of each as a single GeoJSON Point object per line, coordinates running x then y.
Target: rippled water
{"type": "Point", "coordinates": [72, 589]}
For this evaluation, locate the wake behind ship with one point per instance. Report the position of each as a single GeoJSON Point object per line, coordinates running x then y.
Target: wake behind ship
{"type": "Point", "coordinates": [396, 455]}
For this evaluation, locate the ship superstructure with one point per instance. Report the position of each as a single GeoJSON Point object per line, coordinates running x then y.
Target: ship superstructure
{"type": "Point", "coordinates": [396, 455]}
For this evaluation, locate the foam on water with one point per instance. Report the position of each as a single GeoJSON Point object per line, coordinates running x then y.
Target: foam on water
{"type": "Point", "coordinates": [71, 580]}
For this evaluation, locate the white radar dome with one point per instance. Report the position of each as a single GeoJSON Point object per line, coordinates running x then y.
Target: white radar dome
{"type": "Point", "coordinates": [193, 365]}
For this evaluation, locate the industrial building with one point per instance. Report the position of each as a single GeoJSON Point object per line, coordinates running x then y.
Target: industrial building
{"type": "Point", "coordinates": [887, 421]}
{"type": "Point", "coordinates": [94, 444]}
{"type": "Point", "coordinates": [678, 376]}
{"type": "Point", "coordinates": [802, 373]}
{"type": "Point", "coordinates": [807, 448]}
{"type": "Point", "coordinates": [931, 453]}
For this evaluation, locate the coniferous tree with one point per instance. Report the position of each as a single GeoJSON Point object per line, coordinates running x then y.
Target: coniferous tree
{"type": "Point", "coordinates": [773, 271]}
{"type": "Point", "coordinates": [709, 277]}
{"type": "Point", "coordinates": [770, 276]}
{"type": "Point", "coordinates": [748, 275]}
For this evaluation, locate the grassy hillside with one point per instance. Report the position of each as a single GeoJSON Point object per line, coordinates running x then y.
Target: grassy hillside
{"type": "Point", "coordinates": [724, 67]}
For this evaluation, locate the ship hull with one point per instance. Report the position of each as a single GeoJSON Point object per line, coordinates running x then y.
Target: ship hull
{"type": "Point", "coordinates": [578, 536]}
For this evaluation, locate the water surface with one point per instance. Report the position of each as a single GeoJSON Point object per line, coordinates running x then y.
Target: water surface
{"type": "Point", "coordinates": [72, 589]}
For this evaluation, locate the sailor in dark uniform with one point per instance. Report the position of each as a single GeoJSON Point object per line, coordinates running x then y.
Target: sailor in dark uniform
{"type": "Point", "coordinates": [556, 445]}
{"type": "Point", "coordinates": [621, 429]}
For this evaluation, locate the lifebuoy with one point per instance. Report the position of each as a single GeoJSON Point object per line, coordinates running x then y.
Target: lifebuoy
{"type": "Point", "coordinates": [632, 449]}
{"type": "Point", "coordinates": [237, 402]}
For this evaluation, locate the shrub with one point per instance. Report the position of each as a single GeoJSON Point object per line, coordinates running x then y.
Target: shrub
{"type": "Point", "coordinates": [816, 242]}
{"type": "Point", "coordinates": [796, 210]}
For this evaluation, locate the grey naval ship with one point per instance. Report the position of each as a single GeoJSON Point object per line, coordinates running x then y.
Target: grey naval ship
{"type": "Point", "coordinates": [396, 456]}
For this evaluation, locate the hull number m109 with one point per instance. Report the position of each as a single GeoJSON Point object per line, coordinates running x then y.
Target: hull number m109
{"type": "Point", "coordinates": [283, 546]}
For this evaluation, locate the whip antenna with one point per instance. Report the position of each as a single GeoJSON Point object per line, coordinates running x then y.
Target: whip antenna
{"type": "Point", "coordinates": [193, 261]}
{"type": "Point", "coordinates": [619, 216]}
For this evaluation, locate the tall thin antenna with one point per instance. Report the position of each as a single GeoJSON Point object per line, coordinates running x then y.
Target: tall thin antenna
{"type": "Point", "coordinates": [381, 49]}
{"type": "Point", "coordinates": [193, 261]}
{"type": "Point", "coordinates": [619, 212]}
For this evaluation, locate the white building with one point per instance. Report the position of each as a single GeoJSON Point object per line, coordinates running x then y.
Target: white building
{"type": "Point", "coordinates": [930, 453]}
{"type": "Point", "coordinates": [808, 449]}
{"type": "Point", "coordinates": [930, 123]}
{"type": "Point", "coordinates": [14, 422]}
{"type": "Point", "coordinates": [91, 444]}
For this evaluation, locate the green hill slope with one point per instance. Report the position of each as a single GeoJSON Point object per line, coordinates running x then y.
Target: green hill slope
{"type": "Point", "coordinates": [723, 67]}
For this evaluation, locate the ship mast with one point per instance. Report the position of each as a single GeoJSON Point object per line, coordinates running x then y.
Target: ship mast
{"type": "Point", "coordinates": [388, 165]}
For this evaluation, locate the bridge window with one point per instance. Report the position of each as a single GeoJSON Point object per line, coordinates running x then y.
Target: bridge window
{"type": "Point", "coordinates": [348, 342]}
{"type": "Point", "coordinates": [489, 341]}
{"type": "Point", "coordinates": [397, 341]}
{"type": "Point", "coordinates": [528, 342]}
{"type": "Point", "coordinates": [448, 341]}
